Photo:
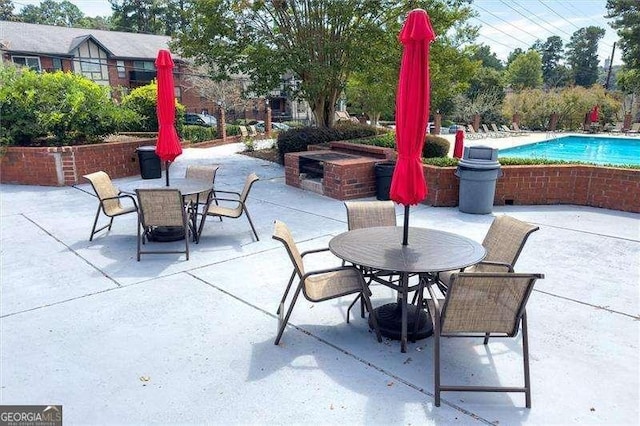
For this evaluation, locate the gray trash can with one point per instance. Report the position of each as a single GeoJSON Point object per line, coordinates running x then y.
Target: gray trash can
{"type": "Point", "coordinates": [384, 173]}
{"type": "Point", "coordinates": [150, 166]}
{"type": "Point", "coordinates": [478, 171]}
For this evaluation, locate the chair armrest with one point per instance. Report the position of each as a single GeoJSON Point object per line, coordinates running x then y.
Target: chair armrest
{"type": "Point", "coordinates": [304, 253]}
{"type": "Point", "coordinates": [121, 196]}
{"type": "Point", "coordinates": [493, 263]}
{"type": "Point", "coordinates": [227, 192]}
{"type": "Point", "coordinates": [327, 270]}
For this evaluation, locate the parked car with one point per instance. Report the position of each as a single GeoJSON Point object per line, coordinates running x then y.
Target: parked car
{"type": "Point", "coordinates": [281, 127]}
{"type": "Point", "coordinates": [200, 120]}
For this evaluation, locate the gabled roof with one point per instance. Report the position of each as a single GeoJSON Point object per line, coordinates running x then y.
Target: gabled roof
{"type": "Point", "coordinates": [77, 41]}
{"type": "Point", "coordinates": [52, 40]}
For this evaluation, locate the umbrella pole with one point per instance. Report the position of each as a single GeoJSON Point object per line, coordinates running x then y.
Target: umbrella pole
{"type": "Point", "coordinates": [166, 173]}
{"type": "Point", "coordinates": [405, 233]}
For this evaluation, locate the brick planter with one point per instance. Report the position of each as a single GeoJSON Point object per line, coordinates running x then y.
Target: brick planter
{"type": "Point", "coordinates": [59, 166]}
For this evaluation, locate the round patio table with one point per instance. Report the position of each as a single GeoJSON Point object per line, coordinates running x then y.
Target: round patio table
{"type": "Point", "coordinates": [428, 251]}
{"type": "Point", "coordinates": [186, 187]}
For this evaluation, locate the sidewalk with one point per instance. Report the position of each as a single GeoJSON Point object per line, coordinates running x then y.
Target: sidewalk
{"type": "Point", "coordinates": [164, 340]}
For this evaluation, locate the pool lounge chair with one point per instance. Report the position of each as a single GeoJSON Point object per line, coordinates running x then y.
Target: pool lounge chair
{"type": "Point", "coordinates": [499, 132]}
{"type": "Point", "coordinates": [634, 130]}
{"type": "Point", "coordinates": [508, 131]}
{"type": "Point", "coordinates": [516, 127]}
{"type": "Point", "coordinates": [472, 134]}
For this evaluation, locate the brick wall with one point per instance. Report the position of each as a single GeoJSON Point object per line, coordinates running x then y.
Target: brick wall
{"type": "Point", "coordinates": [604, 187]}
{"type": "Point", "coordinates": [58, 166]}
{"type": "Point", "coordinates": [611, 188]}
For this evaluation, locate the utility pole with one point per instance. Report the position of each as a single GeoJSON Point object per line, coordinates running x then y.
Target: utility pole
{"type": "Point", "coordinates": [613, 50]}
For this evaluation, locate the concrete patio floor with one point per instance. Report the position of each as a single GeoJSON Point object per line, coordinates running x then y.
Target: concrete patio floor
{"type": "Point", "coordinates": [164, 340]}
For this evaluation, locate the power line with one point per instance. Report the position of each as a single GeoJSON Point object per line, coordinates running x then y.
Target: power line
{"type": "Point", "coordinates": [531, 20]}
{"type": "Point", "coordinates": [535, 37]}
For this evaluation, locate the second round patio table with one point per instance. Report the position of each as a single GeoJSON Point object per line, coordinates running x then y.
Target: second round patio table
{"type": "Point", "coordinates": [428, 251]}
{"type": "Point", "coordinates": [186, 187]}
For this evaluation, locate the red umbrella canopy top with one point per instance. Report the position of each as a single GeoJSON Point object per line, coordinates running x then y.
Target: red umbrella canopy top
{"type": "Point", "coordinates": [594, 114]}
{"type": "Point", "coordinates": [168, 146]}
{"type": "Point", "coordinates": [412, 108]}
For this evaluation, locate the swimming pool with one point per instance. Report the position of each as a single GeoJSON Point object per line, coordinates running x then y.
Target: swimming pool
{"type": "Point", "coordinates": [598, 150]}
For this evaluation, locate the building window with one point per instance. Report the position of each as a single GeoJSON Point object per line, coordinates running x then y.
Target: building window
{"type": "Point", "coordinates": [57, 64]}
{"type": "Point", "coordinates": [32, 62]}
{"type": "Point", "coordinates": [144, 66]}
{"type": "Point", "coordinates": [90, 65]}
{"type": "Point", "coordinates": [121, 70]}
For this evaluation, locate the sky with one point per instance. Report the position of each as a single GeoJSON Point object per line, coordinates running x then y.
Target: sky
{"type": "Point", "coordinates": [504, 24]}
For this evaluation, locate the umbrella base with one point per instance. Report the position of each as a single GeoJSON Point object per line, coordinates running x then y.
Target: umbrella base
{"type": "Point", "coordinates": [163, 234]}
{"type": "Point", "coordinates": [389, 318]}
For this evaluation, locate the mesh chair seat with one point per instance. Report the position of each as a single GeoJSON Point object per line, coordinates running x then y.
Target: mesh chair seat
{"type": "Point", "coordinates": [110, 200]}
{"type": "Point", "coordinates": [503, 242]}
{"type": "Point", "coordinates": [317, 286]}
{"type": "Point", "coordinates": [161, 208]}
{"type": "Point", "coordinates": [482, 305]}
{"type": "Point", "coordinates": [332, 284]}
{"type": "Point", "coordinates": [216, 204]}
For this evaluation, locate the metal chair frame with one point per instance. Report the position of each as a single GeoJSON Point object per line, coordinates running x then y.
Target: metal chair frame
{"type": "Point", "coordinates": [148, 220]}
{"type": "Point", "coordinates": [292, 251]}
{"type": "Point", "coordinates": [96, 179]}
{"type": "Point", "coordinates": [439, 318]}
{"type": "Point", "coordinates": [233, 213]}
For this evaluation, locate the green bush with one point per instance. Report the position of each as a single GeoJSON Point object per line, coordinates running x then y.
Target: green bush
{"type": "Point", "coordinates": [198, 133]}
{"type": "Point", "coordinates": [435, 146]}
{"type": "Point", "coordinates": [59, 108]}
{"type": "Point", "coordinates": [143, 101]}
{"type": "Point", "coordinates": [385, 140]}
{"type": "Point", "coordinates": [232, 129]}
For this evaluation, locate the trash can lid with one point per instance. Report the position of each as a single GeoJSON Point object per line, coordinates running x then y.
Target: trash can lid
{"type": "Point", "coordinates": [146, 148]}
{"type": "Point", "coordinates": [478, 164]}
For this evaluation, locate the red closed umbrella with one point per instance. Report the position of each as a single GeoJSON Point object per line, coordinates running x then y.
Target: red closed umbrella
{"type": "Point", "coordinates": [168, 146]}
{"type": "Point", "coordinates": [459, 146]}
{"type": "Point", "coordinates": [412, 112]}
{"type": "Point", "coordinates": [594, 115]}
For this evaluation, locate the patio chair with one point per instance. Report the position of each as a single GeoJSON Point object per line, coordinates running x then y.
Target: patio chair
{"type": "Point", "coordinates": [367, 214]}
{"type": "Point", "coordinates": [109, 200]}
{"type": "Point", "coordinates": [503, 242]}
{"type": "Point", "coordinates": [319, 285]}
{"type": "Point", "coordinates": [634, 130]}
{"type": "Point", "coordinates": [243, 132]}
{"type": "Point", "coordinates": [237, 199]}
{"type": "Point", "coordinates": [253, 132]}
{"type": "Point", "coordinates": [487, 304]}
{"type": "Point", "coordinates": [162, 207]}
{"type": "Point", "coordinates": [200, 172]}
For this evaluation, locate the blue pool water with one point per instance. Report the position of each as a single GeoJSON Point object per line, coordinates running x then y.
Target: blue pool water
{"type": "Point", "coordinates": [599, 150]}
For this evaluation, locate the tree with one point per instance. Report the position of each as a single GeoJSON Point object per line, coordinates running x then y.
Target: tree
{"type": "Point", "coordinates": [551, 51]}
{"type": "Point", "coordinates": [149, 16]}
{"type": "Point", "coordinates": [320, 45]}
{"type": "Point", "coordinates": [6, 10]}
{"type": "Point", "coordinates": [227, 92]}
{"type": "Point", "coordinates": [513, 55]}
{"type": "Point", "coordinates": [49, 12]}
{"type": "Point", "coordinates": [525, 71]}
{"type": "Point", "coordinates": [627, 22]}
{"type": "Point", "coordinates": [488, 58]}
{"type": "Point", "coordinates": [582, 55]}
